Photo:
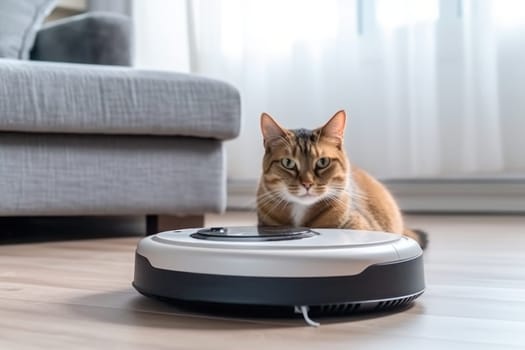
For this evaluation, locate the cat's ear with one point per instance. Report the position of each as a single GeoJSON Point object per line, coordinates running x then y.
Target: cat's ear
{"type": "Point", "coordinates": [335, 127]}
{"type": "Point", "coordinates": [271, 130]}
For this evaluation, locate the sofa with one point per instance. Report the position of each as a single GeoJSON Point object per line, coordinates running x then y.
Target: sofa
{"type": "Point", "coordinates": [82, 133]}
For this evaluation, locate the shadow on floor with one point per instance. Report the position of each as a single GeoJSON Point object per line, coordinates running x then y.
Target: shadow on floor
{"type": "Point", "coordinates": [129, 308]}
{"type": "Point", "coordinates": [44, 229]}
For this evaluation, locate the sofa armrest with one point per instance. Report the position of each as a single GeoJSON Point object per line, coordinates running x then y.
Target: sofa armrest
{"type": "Point", "coordinates": [93, 38]}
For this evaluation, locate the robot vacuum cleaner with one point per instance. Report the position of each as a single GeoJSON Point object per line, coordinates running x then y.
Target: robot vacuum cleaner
{"type": "Point", "coordinates": [308, 271]}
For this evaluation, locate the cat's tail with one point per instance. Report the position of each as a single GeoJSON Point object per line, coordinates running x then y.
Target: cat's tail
{"type": "Point", "coordinates": [419, 236]}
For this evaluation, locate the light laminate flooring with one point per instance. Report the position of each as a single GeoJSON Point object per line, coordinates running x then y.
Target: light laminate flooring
{"type": "Point", "coordinates": [78, 295]}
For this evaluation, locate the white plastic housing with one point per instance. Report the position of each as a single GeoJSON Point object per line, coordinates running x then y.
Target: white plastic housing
{"type": "Point", "coordinates": [333, 252]}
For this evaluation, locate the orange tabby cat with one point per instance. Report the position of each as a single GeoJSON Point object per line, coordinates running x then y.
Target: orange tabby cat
{"type": "Point", "coordinates": [307, 181]}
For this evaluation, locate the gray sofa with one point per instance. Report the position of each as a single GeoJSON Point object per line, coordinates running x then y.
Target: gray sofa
{"type": "Point", "coordinates": [93, 138]}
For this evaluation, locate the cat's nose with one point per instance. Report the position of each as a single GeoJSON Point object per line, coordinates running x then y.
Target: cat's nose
{"type": "Point", "coordinates": [307, 185]}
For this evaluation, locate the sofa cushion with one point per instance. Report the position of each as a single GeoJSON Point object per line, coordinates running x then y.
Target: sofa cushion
{"type": "Point", "coordinates": [92, 38]}
{"type": "Point", "coordinates": [19, 22]}
{"type": "Point", "coordinates": [78, 98]}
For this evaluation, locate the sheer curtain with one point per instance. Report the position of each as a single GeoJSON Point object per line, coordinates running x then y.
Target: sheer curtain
{"type": "Point", "coordinates": [433, 88]}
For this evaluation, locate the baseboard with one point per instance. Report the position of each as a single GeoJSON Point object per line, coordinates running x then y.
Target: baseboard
{"type": "Point", "coordinates": [443, 195]}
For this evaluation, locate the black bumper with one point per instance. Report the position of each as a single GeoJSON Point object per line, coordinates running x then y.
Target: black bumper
{"type": "Point", "coordinates": [377, 283]}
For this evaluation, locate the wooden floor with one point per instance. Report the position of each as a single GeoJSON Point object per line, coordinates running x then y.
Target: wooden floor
{"type": "Point", "coordinates": [77, 295]}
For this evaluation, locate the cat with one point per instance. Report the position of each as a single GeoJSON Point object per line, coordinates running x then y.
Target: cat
{"type": "Point", "coordinates": [307, 181]}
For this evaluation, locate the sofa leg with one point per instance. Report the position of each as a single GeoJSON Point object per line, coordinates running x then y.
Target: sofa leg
{"type": "Point", "coordinates": [159, 223]}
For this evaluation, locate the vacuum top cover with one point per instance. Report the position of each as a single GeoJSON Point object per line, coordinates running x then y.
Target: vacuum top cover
{"type": "Point", "coordinates": [275, 252]}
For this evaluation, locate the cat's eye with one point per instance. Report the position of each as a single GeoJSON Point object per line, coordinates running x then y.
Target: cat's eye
{"type": "Point", "coordinates": [322, 162]}
{"type": "Point", "coordinates": [288, 163]}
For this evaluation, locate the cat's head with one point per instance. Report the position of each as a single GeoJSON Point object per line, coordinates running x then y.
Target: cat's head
{"type": "Point", "coordinates": [304, 166]}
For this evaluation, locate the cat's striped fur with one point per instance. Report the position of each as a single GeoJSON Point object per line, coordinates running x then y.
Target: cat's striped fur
{"type": "Point", "coordinates": [307, 180]}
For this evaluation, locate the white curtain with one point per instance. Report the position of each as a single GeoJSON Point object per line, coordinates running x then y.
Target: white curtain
{"type": "Point", "coordinates": [162, 34]}
{"type": "Point", "coordinates": [433, 88]}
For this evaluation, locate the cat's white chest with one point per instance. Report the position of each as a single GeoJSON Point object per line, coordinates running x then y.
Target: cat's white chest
{"type": "Point", "coordinates": [298, 213]}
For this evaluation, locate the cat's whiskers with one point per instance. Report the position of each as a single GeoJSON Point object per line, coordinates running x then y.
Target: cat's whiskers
{"type": "Point", "coordinates": [332, 197]}
{"type": "Point", "coordinates": [353, 193]}
{"type": "Point", "coordinates": [272, 201]}
{"type": "Point", "coordinates": [270, 194]}
{"type": "Point", "coordinates": [269, 200]}
{"type": "Point", "coordinates": [275, 198]}
{"type": "Point", "coordinates": [262, 198]}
